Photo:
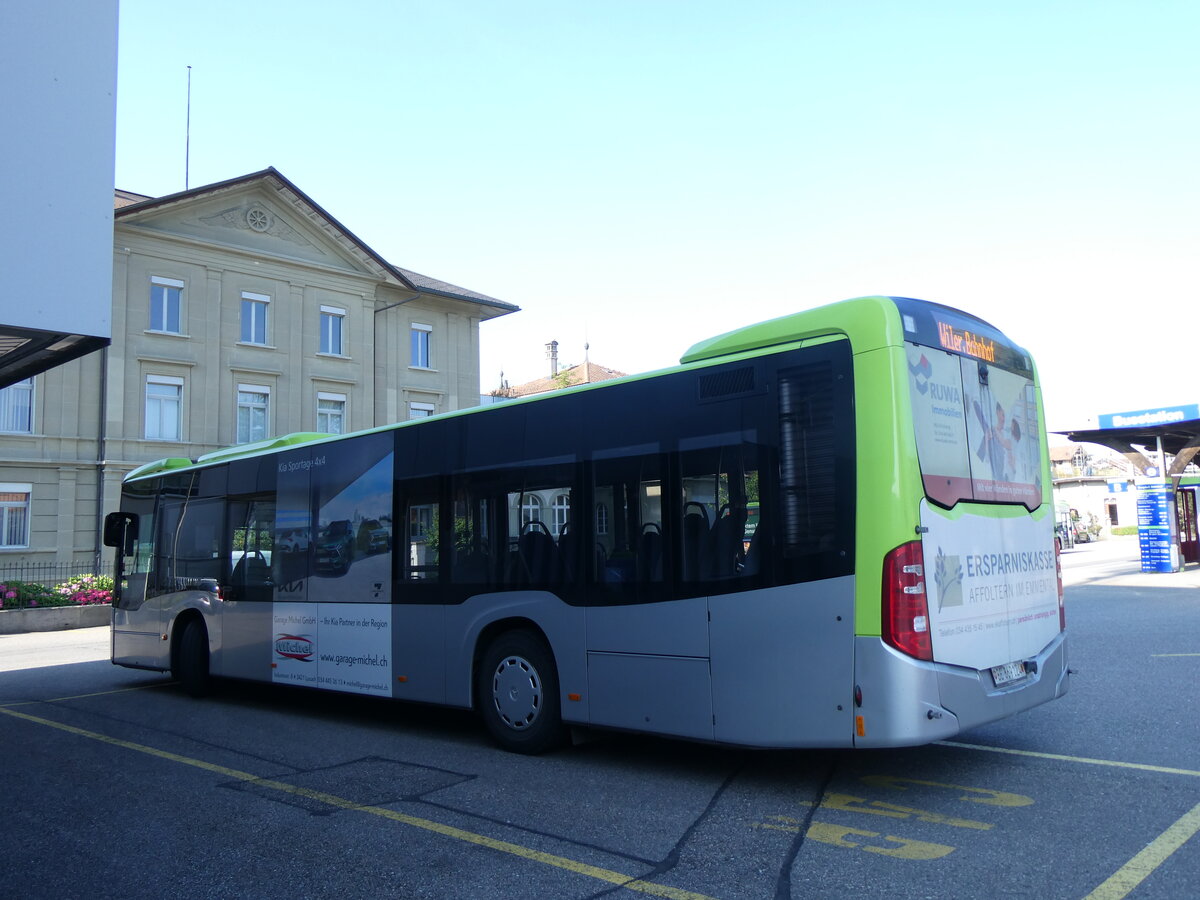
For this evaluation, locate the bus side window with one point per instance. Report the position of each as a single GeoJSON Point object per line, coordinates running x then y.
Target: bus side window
{"type": "Point", "coordinates": [421, 549]}
{"type": "Point", "coordinates": [256, 566]}
{"type": "Point", "coordinates": [720, 487]}
{"type": "Point", "coordinates": [627, 526]}
{"type": "Point", "coordinates": [473, 560]}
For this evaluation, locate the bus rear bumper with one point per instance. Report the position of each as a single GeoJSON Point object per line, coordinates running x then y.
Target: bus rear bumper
{"type": "Point", "coordinates": [906, 702]}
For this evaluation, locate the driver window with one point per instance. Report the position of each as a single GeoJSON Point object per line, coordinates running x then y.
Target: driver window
{"type": "Point", "coordinates": [252, 557]}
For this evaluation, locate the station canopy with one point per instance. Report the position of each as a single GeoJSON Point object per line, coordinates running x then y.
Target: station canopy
{"type": "Point", "coordinates": [1136, 434]}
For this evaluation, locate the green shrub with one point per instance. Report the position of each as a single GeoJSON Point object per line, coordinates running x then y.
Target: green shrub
{"type": "Point", "coordinates": [1119, 530]}
{"type": "Point", "coordinates": [86, 590]}
{"type": "Point", "coordinates": [28, 594]}
{"type": "Point", "coordinates": [78, 590]}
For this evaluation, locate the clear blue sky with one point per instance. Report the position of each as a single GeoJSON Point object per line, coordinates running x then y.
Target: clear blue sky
{"type": "Point", "coordinates": [642, 175]}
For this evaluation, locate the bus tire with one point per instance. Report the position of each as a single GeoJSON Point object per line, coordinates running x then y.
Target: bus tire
{"type": "Point", "coordinates": [518, 693]}
{"type": "Point", "coordinates": [190, 663]}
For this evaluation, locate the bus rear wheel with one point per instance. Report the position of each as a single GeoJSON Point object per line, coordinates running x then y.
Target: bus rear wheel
{"type": "Point", "coordinates": [518, 693]}
{"type": "Point", "coordinates": [189, 664]}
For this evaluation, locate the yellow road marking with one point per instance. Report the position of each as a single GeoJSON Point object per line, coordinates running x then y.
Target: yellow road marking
{"type": "Point", "coordinates": [847, 803]}
{"type": "Point", "coordinates": [560, 862]}
{"type": "Point", "coordinates": [839, 836]}
{"type": "Point", "coordinates": [1144, 767]}
{"type": "Point", "coordinates": [972, 795]}
{"type": "Point", "coordinates": [1134, 872]}
{"type": "Point", "coordinates": [140, 687]}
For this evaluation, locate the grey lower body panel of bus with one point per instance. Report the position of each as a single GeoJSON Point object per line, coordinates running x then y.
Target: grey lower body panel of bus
{"type": "Point", "coordinates": [906, 702]}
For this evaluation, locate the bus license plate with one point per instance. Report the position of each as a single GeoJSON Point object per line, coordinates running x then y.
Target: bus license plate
{"type": "Point", "coordinates": [1008, 673]}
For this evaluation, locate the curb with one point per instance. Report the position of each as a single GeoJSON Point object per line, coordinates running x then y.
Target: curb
{"type": "Point", "coordinates": [54, 618]}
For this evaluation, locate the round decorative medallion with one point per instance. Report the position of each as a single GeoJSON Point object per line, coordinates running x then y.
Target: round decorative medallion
{"type": "Point", "coordinates": [258, 219]}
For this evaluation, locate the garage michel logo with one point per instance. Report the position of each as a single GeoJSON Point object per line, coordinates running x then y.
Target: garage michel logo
{"type": "Point", "coordinates": [295, 646]}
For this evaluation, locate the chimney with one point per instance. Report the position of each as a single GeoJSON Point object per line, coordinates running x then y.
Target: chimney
{"type": "Point", "coordinates": [552, 355]}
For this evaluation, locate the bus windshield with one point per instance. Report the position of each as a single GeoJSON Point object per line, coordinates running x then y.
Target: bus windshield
{"type": "Point", "coordinates": [975, 414]}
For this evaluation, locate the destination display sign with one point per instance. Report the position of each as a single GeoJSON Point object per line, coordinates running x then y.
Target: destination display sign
{"type": "Point", "coordinates": [960, 333]}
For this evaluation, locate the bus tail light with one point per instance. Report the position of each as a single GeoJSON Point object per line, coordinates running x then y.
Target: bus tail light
{"type": "Point", "coordinates": [905, 608]}
{"type": "Point", "coordinates": [1062, 606]}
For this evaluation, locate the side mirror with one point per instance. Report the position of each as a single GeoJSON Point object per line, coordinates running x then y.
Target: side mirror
{"type": "Point", "coordinates": [121, 530]}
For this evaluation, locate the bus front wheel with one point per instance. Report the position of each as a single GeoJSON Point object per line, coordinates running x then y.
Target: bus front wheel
{"type": "Point", "coordinates": [518, 693]}
{"type": "Point", "coordinates": [190, 662]}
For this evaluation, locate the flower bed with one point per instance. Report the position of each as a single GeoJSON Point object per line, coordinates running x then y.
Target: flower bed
{"type": "Point", "coordinates": [78, 590]}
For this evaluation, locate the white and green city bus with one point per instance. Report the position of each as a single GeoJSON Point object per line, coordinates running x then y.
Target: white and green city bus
{"type": "Point", "coordinates": [833, 529]}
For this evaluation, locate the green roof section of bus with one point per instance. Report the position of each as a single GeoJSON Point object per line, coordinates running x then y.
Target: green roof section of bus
{"type": "Point", "coordinates": [280, 443]}
{"type": "Point", "coordinates": [159, 466]}
{"type": "Point", "coordinates": [875, 315]}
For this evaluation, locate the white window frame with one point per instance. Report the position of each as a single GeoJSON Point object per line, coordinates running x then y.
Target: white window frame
{"type": "Point", "coordinates": [251, 406]}
{"type": "Point", "coordinates": [421, 410]}
{"type": "Point", "coordinates": [255, 304]}
{"type": "Point", "coordinates": [531, 510]}
{"type": "Point", "coordinates": [168, 284]}
{"type": "Point", "coordinates": [15, 515]}
{"type": "Point", "coordinates": [162, 400]}
{"type": "Point", "coordinates": [560, 513]}
{"type": "Point", "coordinates": [330, 397]}
{"type": "Point", "coordinates": [421, 346]}
{"type": "Point", "coordinates": [329, 316]}
{"type": "Point", "coordinates": [15, 400]}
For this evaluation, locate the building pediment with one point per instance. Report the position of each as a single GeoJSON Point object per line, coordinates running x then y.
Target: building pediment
{"type": "Point", "coordinates": [266, 215]}
{"type": "Point", "coordinates": [263, 214]}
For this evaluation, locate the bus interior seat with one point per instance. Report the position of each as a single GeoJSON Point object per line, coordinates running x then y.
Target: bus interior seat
{"type": "Point", "coordinates": [695, 539]}
{"type": "Point", "coordinates": [251, 570]}
{"type": "Point", "coordinates": [649, 556]}
{"type": "Point", "coordinates": [726, 550]}
{"type": "Point", "coordinates": [538, 553]}
{"type": "Point", "coordinates": [568, 551]}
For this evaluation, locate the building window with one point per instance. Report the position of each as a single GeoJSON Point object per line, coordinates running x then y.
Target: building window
{"type": "Point", "coordinates": [253, 409]}
{"type": "Point", "coordinates": [420, 410]}
{"type": "Point", "coordinates": [254, 317]}
{"type": "Point", "coordinates": [601, 518]}
{"type": "Point", "coordinates": [421, 358]}
{"type": "Point", "coordinates": [166, 302]}
{"type": "Point", "coordinates": [164, 403]}
{"type": "Point", "coordinates": [531, 509]}
{"type": "Point", "coordinates": [16, 408]}
{"type": "Point", "coordinates": [331, 330]}
{"type": "Point", "coordinates": [562, 514]}
{"type": "Point", "coordinates": [14, 515]}
{"type": "Point", "coordinates": [331, 413]}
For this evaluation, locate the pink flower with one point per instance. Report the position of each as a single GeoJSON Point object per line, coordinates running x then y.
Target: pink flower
{"type": "Point", "coordinates": [11, 595]}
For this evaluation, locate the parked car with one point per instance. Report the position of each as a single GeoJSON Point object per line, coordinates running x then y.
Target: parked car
{"type": "Point", "coordinates": [373, 537]}
{"type": "Point", "coordinates": [293, 541]}
{"type": "Point", "coordinates": [335, 547]}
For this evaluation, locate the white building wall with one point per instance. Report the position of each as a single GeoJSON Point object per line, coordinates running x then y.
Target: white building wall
{"type": "Point", "coordinates": [58, 66]}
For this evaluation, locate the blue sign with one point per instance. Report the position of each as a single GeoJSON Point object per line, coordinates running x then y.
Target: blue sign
{"type": "Point", "coordinates": [1155, 540]}
{"type": "Point", "coordinates": [1141, 418]}
{"type": "Point", "coordinates": [1118, 487]}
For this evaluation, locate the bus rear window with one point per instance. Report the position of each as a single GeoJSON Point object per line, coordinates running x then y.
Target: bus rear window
{"type": "Point", "coordinates": [976, 428]}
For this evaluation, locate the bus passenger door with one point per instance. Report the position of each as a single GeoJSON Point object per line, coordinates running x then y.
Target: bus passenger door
{"type": "Point", "coordinates": [136, 624]}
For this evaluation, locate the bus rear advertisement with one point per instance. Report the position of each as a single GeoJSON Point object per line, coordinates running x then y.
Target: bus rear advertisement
{"type": "Point", "coordinates": [832, 529]}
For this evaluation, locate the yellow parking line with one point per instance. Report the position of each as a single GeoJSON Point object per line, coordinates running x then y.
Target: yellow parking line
{"type": "Point", "coordinates": [1163, 770]}
{"type": "Point", "coordinates": [140, 687]}
{"type": "Point", "coordinates": [1134, 872]}
{"type": "Point", "coordinates": [560, 862]}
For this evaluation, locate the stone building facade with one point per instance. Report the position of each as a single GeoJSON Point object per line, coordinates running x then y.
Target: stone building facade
{"type": "Point", "coordinates": [240, 311]}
